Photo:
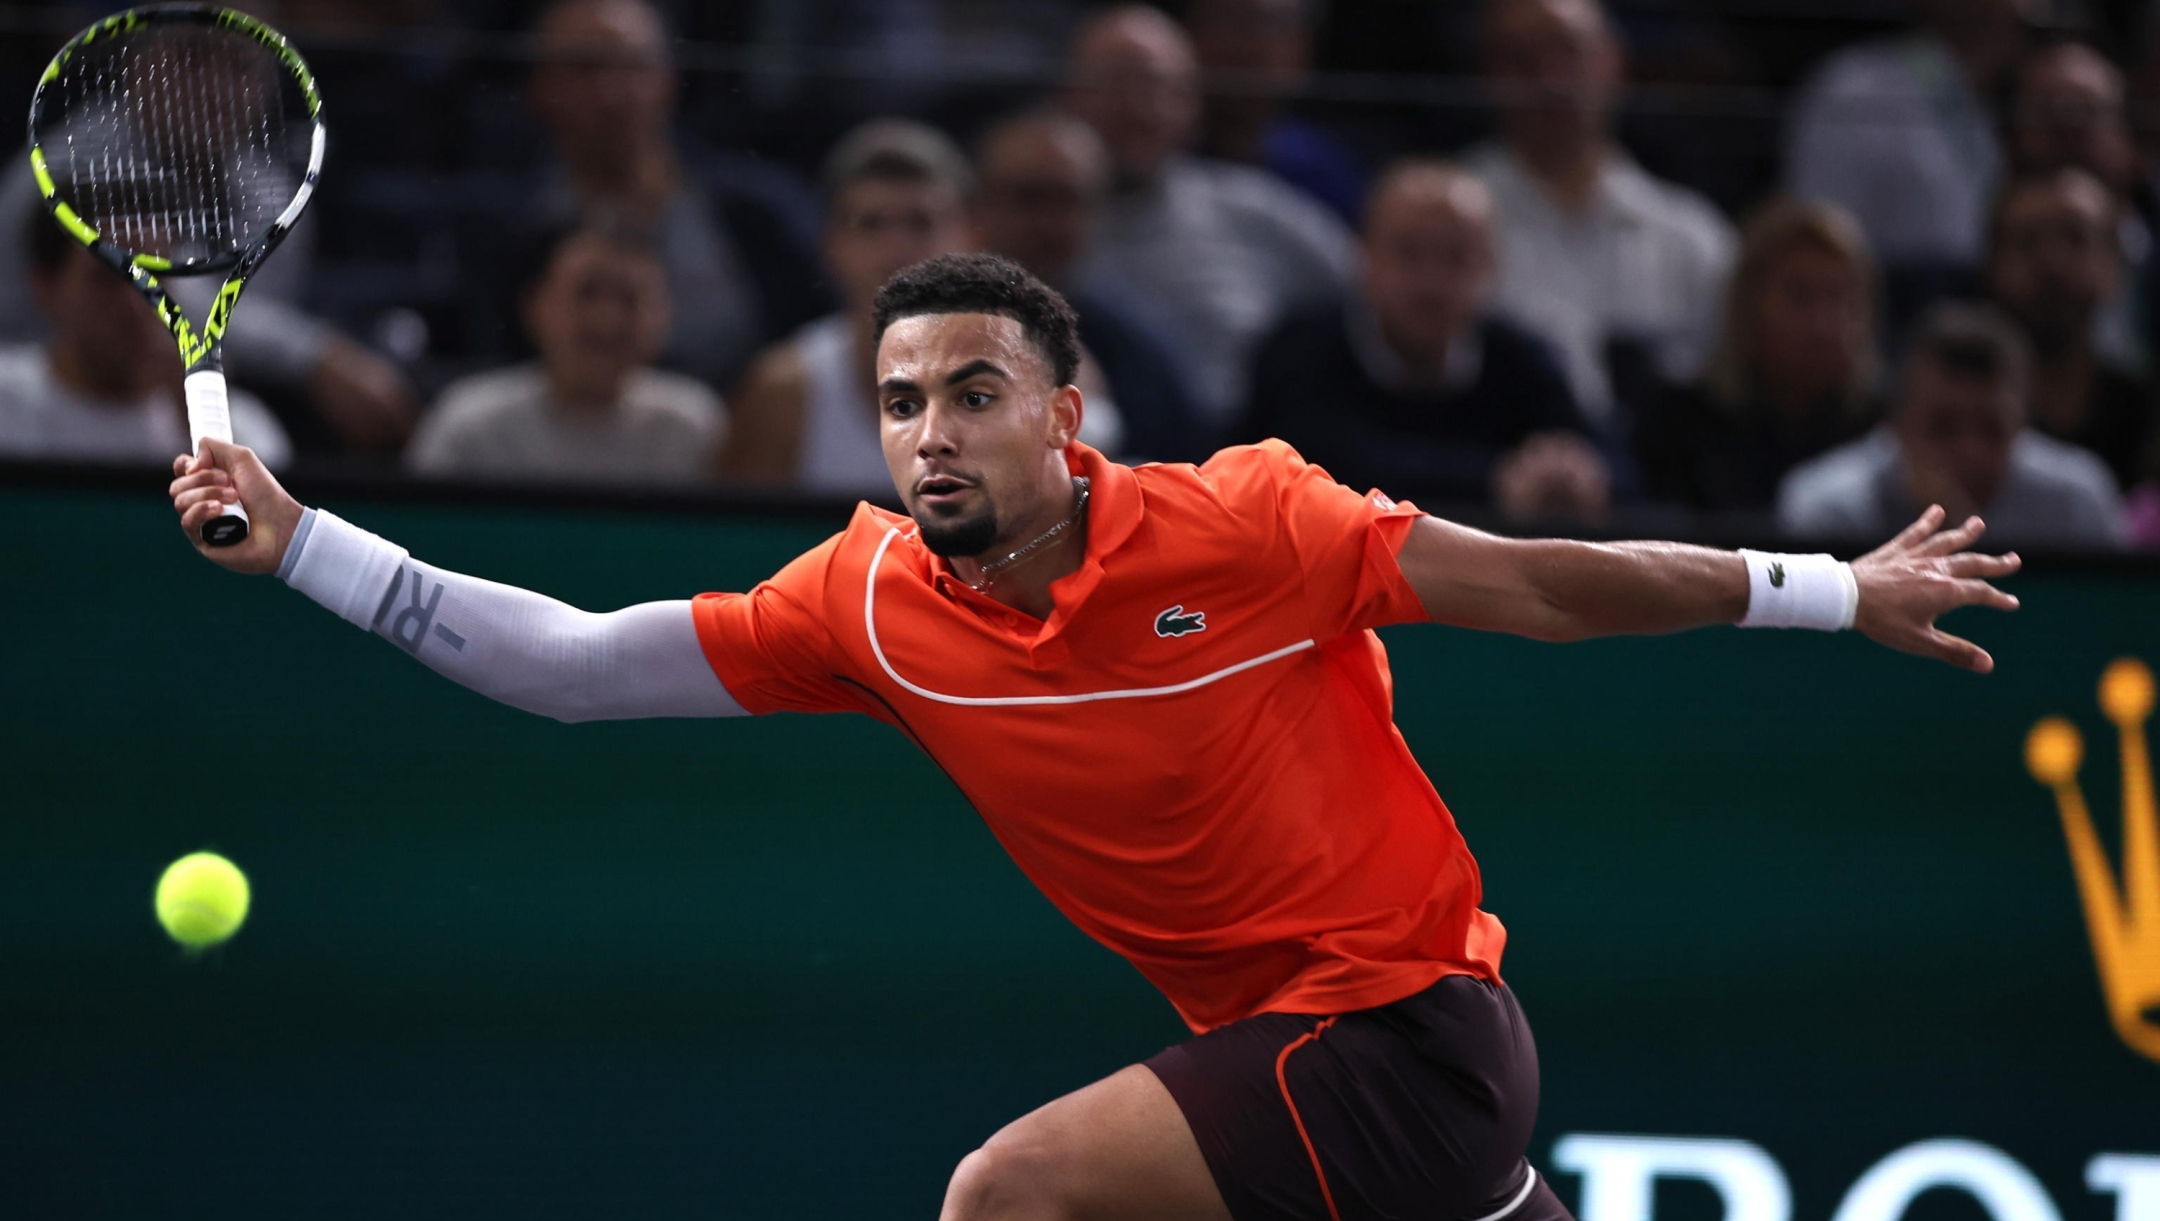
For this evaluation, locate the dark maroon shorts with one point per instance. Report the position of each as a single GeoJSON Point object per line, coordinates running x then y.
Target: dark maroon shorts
{"type": "Point", "coordinates": [1421, 1108]}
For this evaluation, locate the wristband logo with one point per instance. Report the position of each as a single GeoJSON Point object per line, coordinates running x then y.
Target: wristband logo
{"type": "Point", "coordinates": [2123, 922]}
{"type": "Point", "coordinates": [1777, 576]}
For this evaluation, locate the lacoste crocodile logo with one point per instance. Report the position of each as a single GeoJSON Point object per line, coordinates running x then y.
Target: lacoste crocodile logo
{"type": "Point", "coordinates": [1777, 576]}
{"type": "Point", "coordinates": [1175, 622]}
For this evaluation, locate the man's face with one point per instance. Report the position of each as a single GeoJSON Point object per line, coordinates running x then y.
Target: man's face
{"type": "Point", "coordinates": [2057, 257]}
{"type": "Point", "coordinates": [1959, 427]}
{"type": "Point", "coordinates": [1428, 260]}
{"type": "Point", "coordinates": [880, 225]}
{"type": "Point", "coordinates": [98, 315]}
{"type": "Point", "coordinates": [599, 312]}
{"type": "Point", "coordinates": [2069, 113]}
{"type": "Point", "coordinates": [1133, 79]}
{"type": "Point", "coordinates": [970, 423]}
{"type": "Point", "coordinates": [603, 84]}
{"type": "Point", "coordinates": [1041, 186]}
{"type": "Point", "coordinates": [1811, 316]}
{"type": "Point", "coordinates": [1554, 64]}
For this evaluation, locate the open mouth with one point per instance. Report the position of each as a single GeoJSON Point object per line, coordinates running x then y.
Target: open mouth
{"type": "Point", "coordinates": [942, 490]}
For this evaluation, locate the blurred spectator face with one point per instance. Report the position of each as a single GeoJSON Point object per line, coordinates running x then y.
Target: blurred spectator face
{"type": "Point", "coordinates": [1429, 260]}
{"type": "Point", "coordinates": [1133, 79]}
{"type": "Point", "coordinates": [2069, 112]}
{"type": "Point", "coordinates": [1042, 180]}
{"type": "Point", "coordinates": [109, 337]}
{"type": "Point", "coordinates": [604, 86]}
{"type": "Point", "coordinates": [2057, 257]}
{"type": "Point", "coordinates": [599, 312]}
{"type": "Point", "coordinates": [880, 225]}
{"type": "Point", "coordinates": [1810, 316]}
{"type": "Point", "coordinates": [1556, 67]}
{"type": "Point", "coordinates": [1955, 430]}
{"type": "Point", "coordinates": [1267, 44]}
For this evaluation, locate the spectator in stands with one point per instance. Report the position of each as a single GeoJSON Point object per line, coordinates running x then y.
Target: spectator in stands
{"type": "Point", "coordinates": [1044, 176]}
{"type": "Point", "coordinates": [1958, 439]}
{"type": "Point", "coordinates": [2054, 260]}
{"type": "Point", "coordinates": [805, 415]}
{"type": "Point", "coordinates": [734, 233]}
{"type": "Point", "coordinates": [1793, 373]}
{"type": "Point", "coordinates": [1255, 55]}
{"type": "Point", "coordinates": [1224, 250]}
{"type": "Point", "coordinates": [591, 408]}
{"type": "Point", "coordinates": [1411, 386]}
{"type": "Point", "coordinates": [1901, 133]}
{"type": "Point", "coordinates": [1621, 272]}
{"type": "Point", "coordinates": [105, 388]}
{"type": "Point", "coordinates": [2070, 111]}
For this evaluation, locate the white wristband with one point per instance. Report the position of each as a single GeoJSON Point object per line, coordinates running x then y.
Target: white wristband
{"type": "Point", "coordinates": [1810, 591]}
{"type": "Point", "coordinates": [341, 566]}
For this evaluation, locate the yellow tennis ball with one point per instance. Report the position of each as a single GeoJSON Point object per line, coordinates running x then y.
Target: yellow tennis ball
{"type": "Point", "coordinates": [202, 899]}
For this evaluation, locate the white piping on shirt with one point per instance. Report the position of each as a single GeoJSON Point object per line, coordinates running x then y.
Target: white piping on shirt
{"type": "Point", "coordinates": [869, 611]}
{"type": "Point", "coordinates": [1529, 1181]}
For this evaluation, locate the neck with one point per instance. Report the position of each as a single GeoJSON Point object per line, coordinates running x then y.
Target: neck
{"type": "Point", "coordinates": [640, 175]}
{"type": "Point", "coordinates": [1567, 167]}
{"type": "Point", "coordinates": [1425, 362]}
{"type": "Point", "coordinates": [1791, 400]}
{"type": "Point", "coordinates": [113, 381]}
{"type": "Point", "coordinates": [585, 394]}
{"type": "Point", "coordinates": [2062, 389]}
{"type": "Point", "coordinates": [1025, 584]}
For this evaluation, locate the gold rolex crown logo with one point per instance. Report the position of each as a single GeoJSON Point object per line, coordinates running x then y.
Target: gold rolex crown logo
{"type": "Point", "coordinates": [2124, 922]}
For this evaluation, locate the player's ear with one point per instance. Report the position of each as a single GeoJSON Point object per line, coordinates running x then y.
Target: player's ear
{"type": "Point", "coordinates": [1066, 412]}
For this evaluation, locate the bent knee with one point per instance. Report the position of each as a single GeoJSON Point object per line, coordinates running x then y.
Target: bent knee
{"type": "Point", "coordinates": [1007, 1179]}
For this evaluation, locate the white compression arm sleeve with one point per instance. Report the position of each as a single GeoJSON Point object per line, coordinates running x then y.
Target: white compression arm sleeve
{"type": "Point", "coordinates": [524, 649]}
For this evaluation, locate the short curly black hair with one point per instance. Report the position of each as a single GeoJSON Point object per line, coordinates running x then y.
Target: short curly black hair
{"type": "Point", "coordinates": [985, 284]}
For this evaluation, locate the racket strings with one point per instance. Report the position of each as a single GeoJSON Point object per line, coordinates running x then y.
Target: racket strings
{"type": "Point", "coordinates": [180, 141]}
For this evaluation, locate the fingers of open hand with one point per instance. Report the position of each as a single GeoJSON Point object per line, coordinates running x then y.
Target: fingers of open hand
{"type": "Point", "coordinates": [1973, 564]}
{"type": "Point", "coordinates": [1918, 532]}
{"type": "Point", "coordinates": [1980, 593]}
{"type": "Point", "coordinates": [1955, 539]}
{"type": "Point", "coordinates": [1955, 650]}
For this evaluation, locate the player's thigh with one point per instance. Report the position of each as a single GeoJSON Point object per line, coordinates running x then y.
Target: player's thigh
{"type": "Point", "coordinates": [1119, 1148]}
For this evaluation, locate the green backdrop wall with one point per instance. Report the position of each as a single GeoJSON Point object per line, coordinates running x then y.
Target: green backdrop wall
{"type": "Point", "coordinates": [1785, 889]}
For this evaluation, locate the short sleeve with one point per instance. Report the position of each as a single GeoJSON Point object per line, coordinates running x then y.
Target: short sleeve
{"type": "Point", "coordinates": [1345, 544]}
{"type": "Point", "coordinates": [772, 648]}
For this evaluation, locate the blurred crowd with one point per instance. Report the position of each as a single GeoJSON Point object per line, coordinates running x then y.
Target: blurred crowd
{"type": "Point", "coordinates": [626, 243]}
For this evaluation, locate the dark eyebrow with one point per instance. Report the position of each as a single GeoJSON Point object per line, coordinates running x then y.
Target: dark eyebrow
{"type": "Point", "coordinates": [898, 385]}
{"type": "Point", "coordinates": [972, 369]}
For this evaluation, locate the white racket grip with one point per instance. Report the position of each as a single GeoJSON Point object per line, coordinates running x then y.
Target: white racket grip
{"type": "Point", "coordinates": [209, 414]}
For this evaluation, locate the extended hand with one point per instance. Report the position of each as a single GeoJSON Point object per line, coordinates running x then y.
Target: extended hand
{"type": "Point", "coordinates": [1923, 573]}
{"type": "Point", "coordinates": [222, 473]}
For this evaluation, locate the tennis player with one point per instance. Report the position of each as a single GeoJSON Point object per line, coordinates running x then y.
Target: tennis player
{"type": "Point", "coordinates": [1160, 687]}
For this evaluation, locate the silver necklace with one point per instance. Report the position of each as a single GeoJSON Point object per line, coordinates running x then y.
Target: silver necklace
{"type": "Point", "coordinates": [990, 572]}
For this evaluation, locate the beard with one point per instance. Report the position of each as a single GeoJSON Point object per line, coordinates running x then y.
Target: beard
{"type": "Point", "coordinates": [970, 534]}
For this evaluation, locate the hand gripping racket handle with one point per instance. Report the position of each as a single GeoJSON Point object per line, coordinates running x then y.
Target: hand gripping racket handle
{"type": "Point", "coordinates": [209, 415]}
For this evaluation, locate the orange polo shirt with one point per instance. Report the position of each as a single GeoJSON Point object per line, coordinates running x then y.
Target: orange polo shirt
{"type": "Point", "coordinates": [1194, 757]}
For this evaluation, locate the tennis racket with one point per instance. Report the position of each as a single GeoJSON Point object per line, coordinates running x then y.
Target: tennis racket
{"type": "Point", "coordinates": [180, 140]}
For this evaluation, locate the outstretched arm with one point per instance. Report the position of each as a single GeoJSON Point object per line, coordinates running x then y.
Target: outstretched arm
{"type": "Point", "coordinates": [526, 650]}
{"type": "Point", "coordinates": [1556, 590]}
